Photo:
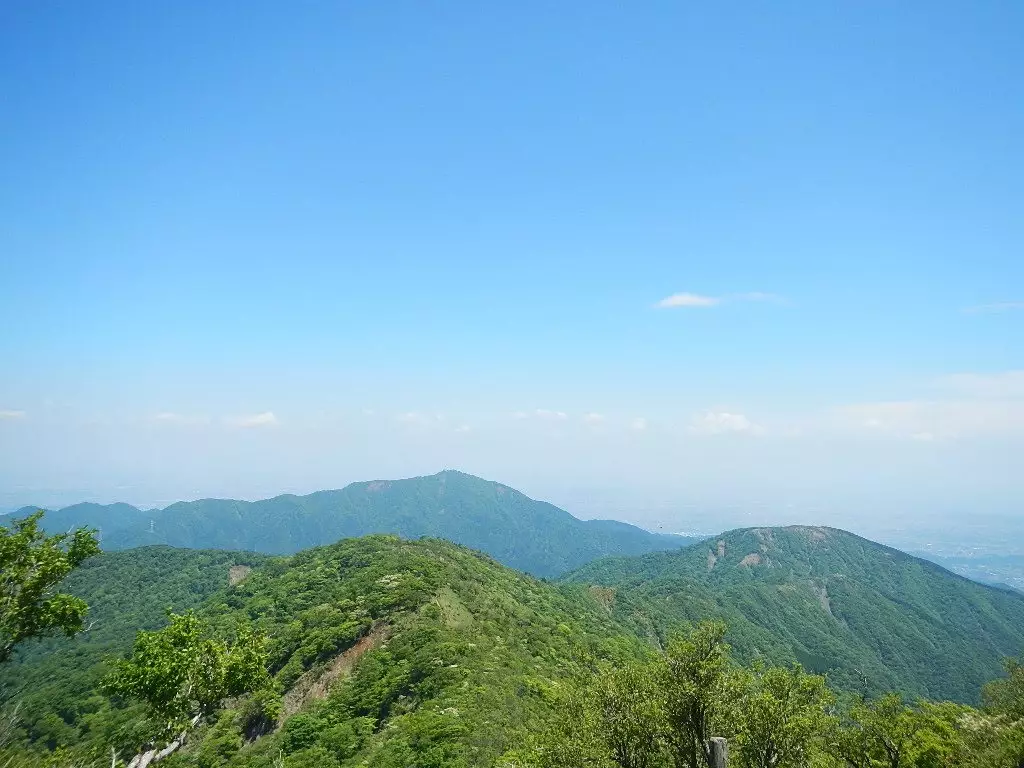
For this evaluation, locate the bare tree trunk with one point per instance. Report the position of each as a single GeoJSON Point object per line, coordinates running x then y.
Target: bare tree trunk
{"type": "Point", "coordinates": [150, 756]}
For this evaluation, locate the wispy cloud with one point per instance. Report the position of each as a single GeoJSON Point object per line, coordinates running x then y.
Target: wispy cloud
{"type": "Point", "coordinates": [544, 413]}
{"type": "Point", "coordinates": [265, 419]}
{"type": "Point", "coordinates": [463, 429]}
{"type": "Point", "coordinates": [723, 423]}
{"type": "Point", "coordinates": [696, 300]}
{"type": "Point", "coordinates": [688, 300]}
{"type": "Point", "coordinates": [11, 415]}
{"type": "Point", "coordinates": [994, 308]}
{"type": "Point", "coordinates": [593, 419]}
{"type": "Point", "coordinates": [639, 424]}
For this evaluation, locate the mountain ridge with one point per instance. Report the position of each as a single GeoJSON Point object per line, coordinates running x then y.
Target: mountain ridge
{"type": "Point", "coordinates": [463, 637]}
{"type": "Point", "coordinates": [528, 534]}
{"type": "Point", "coordinates": [834, 601]}
{"type": "Point", "coordinates": [423, 647]}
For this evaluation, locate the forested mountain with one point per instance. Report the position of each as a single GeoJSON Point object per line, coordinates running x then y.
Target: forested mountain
{"type": "Point", "coordinates": [533, 536]}
{"type": "Point", "coordinates": [389, 652]}
{"type": "Point", "coordinates": [445, 655]}
{"type": "Point", "coordinates": [869, 616]}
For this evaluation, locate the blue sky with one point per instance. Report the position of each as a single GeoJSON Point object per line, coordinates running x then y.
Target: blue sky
{"type": "Point", "coordinates": [247, 248]}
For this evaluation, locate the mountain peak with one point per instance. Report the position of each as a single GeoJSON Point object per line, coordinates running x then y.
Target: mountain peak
{"type": "Point", "coordinates": [530, 535]}
{"type": "Point", "coordinates": [841, 603]}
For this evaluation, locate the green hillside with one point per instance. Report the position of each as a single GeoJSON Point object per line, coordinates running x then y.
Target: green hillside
{"type": "Point", "coordinates": [126, 592]}
{"type": "Point", "coordinates": [520, 532]}
{"type": "Point", "coordinates": [870, 616]}
{"type": "Point", "coordinates": [437, 655]}
{"type": "Point", "coordinates": [389, 652]}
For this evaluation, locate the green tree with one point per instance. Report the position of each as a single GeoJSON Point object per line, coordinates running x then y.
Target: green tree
{"type": "Point", "coordinates": [32, 565]}
{"type": "Point", "coordinates": [880, 733]}
{"type": "Point", "coordinates": [887, 733]}
{"type": "Point", "coordinates": [877, 733]}
{"type": "Point", "coordinates": [695, 678]}
{"type": "Point", "coordinates": [183, 673]}
{"type": "Point", "coordinates": [1004, 703]}
{"type": "Point", "coordinates": [781, 716]}
{"type": "Point", "coordinates": [1006, 695]}
{"type": "Point", "coordinates": [612, 717]}
{"type": "Point", "coordinates": [631, 715]}
{"type": "Point", "coordinates": [945, 739]}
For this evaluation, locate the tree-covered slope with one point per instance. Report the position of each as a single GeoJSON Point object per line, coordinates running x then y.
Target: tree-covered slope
{"type": "Point", "coordinates": [530, 535]}
{"type": "Point", "coordinates": [389, 652]}
{"type": "Point", "coordinates": [386, 652]}
{"type": "Point", "coordinates": [868, 615]}
{"type": "Point", "coordinates": [126, 592]}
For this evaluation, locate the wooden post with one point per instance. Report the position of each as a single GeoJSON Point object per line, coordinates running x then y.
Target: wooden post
{"type": "Point", "coordinates": [719, 752]}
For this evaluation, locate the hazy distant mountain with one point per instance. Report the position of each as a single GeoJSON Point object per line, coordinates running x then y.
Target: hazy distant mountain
{"type": "Point", "coordinates": [530, 535]}
{"type": "Point", "coordinates": [868, 615]}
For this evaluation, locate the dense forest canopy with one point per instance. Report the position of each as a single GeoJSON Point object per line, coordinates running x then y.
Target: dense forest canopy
{"type": "Point", "coordinates": [869, 616]}
{"type": "Point", "coordinates": [388, 652]}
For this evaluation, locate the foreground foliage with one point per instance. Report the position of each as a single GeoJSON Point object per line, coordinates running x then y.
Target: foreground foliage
{"type": "Point", "coordinates": [32, 565]}
{"type": "Point", "coordinates": [183, 673]}
{"type": "Point", "coordinates": [435, 656]}
{"type": "Point", "coordinates": [775, 717]}
{"type": "Point", "coordinates": [56, 684]}
{"type": "Point", "coordinates": [385, 652]}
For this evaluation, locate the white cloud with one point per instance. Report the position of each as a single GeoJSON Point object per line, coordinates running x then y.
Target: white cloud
{"type": "Point", "coordinates": [687, 300]}
{"type": "Point", "coordinates": [463, 428]}
{"type": "Point", "coordinates": [639, 424]}
{"type": "Point", "coordinates": [543, 413]}
{"type": "Point", "coordinates": [723, 423]}
{"type": "Point", "coordinates": [265, 419]}
{"type": "Point", "coordinates": [698, 300]}
{"type": "Point", "coordinates": [994, 308]}
{"type": "Point", "coordinates": [593, 419]}
{"type": "Point", "coordinates": [12, 415]}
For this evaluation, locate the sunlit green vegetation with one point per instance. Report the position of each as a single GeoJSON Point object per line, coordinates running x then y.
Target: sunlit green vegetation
{"type": "Point", "coordinates": [385, 652]}
{"type": "Point", "coordinates": [873, 618]}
